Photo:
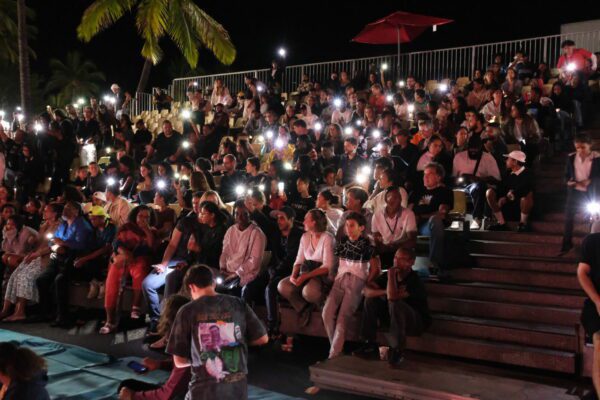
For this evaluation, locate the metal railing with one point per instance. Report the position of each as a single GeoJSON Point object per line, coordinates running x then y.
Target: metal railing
{"type": "Point", "coordinates": [141, 102]}
{"type": "Point", "coordinates": [424, 65]}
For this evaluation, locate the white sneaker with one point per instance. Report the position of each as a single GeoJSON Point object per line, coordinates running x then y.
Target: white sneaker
{"type": "Point", "coordinates": [93, 291]}
{"type": "Point", "coordinates": [475, 225]}
{"type": "Point", "coordinates": [101, 290]}
{"type": "Point", "coordinates": [455, 225]}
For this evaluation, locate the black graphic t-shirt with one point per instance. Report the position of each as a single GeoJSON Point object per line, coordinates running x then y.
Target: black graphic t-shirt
{"type": "Point", "coordinates": [213, 332]}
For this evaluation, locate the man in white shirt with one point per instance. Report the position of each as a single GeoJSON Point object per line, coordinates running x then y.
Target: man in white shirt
{"type": "Point", "coordinates": [474, 169]}
{"type": "Point", "coordinates": [243, 249]}
{"type": "Point", "coordinates": [116, 206]}
{"type": "Point", "coordinates": [386, 180]}
{"type": "Point", "coordinates": [393, 227]}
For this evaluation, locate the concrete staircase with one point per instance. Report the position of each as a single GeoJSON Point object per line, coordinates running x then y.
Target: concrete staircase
{"type": "Point", "coordinates": [520, 303]}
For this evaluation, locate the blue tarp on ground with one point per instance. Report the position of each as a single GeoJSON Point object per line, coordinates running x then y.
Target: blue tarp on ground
{"type": "Point", "coordinates": [80, 374]}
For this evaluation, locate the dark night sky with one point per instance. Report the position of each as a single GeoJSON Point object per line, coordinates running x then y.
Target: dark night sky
{"type": "Point", "coordinates": [311, 31]}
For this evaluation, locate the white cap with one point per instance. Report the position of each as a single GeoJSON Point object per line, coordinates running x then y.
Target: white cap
{"type": "Point", "coordinates": [516, 155]}
{"type": "Point", "coordinates": [100, 196]}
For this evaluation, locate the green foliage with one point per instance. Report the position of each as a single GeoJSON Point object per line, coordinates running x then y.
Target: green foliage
{"type": "Point", "coordinates": [73, 77]}
{"type": "Point", "coordinates": [182, 21]}
{"type": "Point", "coordinates": [9, 34]}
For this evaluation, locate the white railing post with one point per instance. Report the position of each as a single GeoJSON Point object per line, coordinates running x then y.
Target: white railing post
{"type": "Point", "coordinates": [472, 60]}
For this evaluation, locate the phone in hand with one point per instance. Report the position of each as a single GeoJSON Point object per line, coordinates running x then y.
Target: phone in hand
{"type": "Point", "coordinates": [137, 367]}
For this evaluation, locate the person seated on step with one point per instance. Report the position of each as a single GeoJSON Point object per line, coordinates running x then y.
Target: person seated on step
{"type": "Point", "coordinates": [588, 273]}
{"type": "Point", "coordinates": [72, 239]}
{"type": "Point", "coordinates": [243, 250]}
{"type": "Point", "coordinates": [21, 287]}
{"type": "Point", "coordinates": [285, 250]}
{"type": "Point", "coordinates": [393, 226]}
{"type": "Point", "coordinates": [582, 175]}
{"type": "Point", "coordinates": [431, 205]}
{"type": "Point", "coordinates": [91, 267]}
{"type": "Point", "coordinates": [514, 197]}
{"type": "Point", "coordinates": [356, 198]}
{"type": "Point", "coordinates": [133, 250]}
{"type": "Point", "coordinates": [474, 170]}
{"type": "Point", "coordinates": [307, 286]}
{"type": "Point", "coordinates": [397, 296]}
{"type": "Point", "coordinates": [358, 266]}
{"type": "Point", "coordinates": [177, 384]}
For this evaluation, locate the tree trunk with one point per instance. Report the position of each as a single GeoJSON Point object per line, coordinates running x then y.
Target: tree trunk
{"type": "Point", "coordinates": [23, 57]}
{"type": "Point", "coordinates": [143, 82]}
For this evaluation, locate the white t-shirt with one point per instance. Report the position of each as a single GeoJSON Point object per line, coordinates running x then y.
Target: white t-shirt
{"type": "Point", "coordinates": [322, 252]}
{"type": "Point", "coordinates": [396, 228]}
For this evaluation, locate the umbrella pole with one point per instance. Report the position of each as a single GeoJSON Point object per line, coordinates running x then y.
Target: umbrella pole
{"type": "Point", "coordinates": [399, 66]}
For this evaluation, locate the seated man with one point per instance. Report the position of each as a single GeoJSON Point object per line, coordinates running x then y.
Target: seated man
{"type": "Point", "coordinates": [231, 179]}
{"type": "Point", "coordinates": [398, 295]}
{"type": "Point", "coordinates": [283, 256]}
{"type": "Point", "coordinates": [243, 249]}
{"type": "Point", "coordinates": [72, 238]}
{"type": "Point", "coordinates": [393, 226]}
{"type": "Point", "coordinates": [431, 205]}
{"type": "Point", "coordinates": [91, 267]}
{"type": "Point", "coordinates": [175, 255]}
{"type": "Point", "coordinates": [356, 197]}
{"type": "Point", "coordinates": [165, 145]}
{"type": "Point", "coordinates": [474, 169]}
{"type": "Point", "coordinates": [117, 207]}
{"type": "Point", "coordinates": [515, 196]}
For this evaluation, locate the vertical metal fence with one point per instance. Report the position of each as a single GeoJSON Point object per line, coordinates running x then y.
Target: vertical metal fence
{"type": "Point", "coordinates": [424, 65]}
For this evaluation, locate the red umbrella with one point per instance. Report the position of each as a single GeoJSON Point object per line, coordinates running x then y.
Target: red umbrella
{"type": "Point", "coordinates": [398, 27]}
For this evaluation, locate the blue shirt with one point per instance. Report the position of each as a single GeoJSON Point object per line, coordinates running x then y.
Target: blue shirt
{"type": "Point", "coordinates": [76, 236]}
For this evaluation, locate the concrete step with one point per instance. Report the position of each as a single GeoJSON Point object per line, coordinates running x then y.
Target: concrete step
{"type": "Point", "coordinates": [564, 265]}
{"type": "Point", "coordinates": [553, 227]}
{"type": "Point", "coordinates": [513, 248]}
{"type": "Point", "coordinates": [508, 294]}
{"type": "Point", "coordinates": [505, 311]}
{"type": "Point", "coordinates": [520, 333]}
{"type": "Point", "coordinates": [522, 278]}
{"type": "Point", "coordinates": [534, 237]}
{"type": "Point", "coordinates": [525, 356]}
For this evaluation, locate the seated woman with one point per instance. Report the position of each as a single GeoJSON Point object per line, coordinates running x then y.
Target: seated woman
{"type": "Point", "coordinates": [145, 187]}
{"type": "Point", "coordinates": [307, 285]}
{"type": "Point", "coordinates": [17, 240]}
{"type": "Point", "coordinates": [132, 254]}
{"type": "Point", "coordinates": [325, 199]}
{"type": "Point", "coordinates": [22, 373]}
{"type": "Point", "coordinates": [21, 286]}
{"type": "Point", "coordinates": [177, 385]}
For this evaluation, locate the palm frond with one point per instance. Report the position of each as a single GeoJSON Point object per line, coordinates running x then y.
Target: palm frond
{"type": "Point", "coordinates": [209, 32]}
{"type": "Point", "coordinates": [152, 51]}
{"type": "Point", "coordinates": [100, 15]}
{"type": "Point", "coordinates": [182, 33]}
{"type": "Point", "coordinates": [151, 18]}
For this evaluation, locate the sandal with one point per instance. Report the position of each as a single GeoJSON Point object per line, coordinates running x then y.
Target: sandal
{"type": "Point", "coordinates": [159, 344]}
{"type": "Point", "coordinates": [136, 312]}
{"type": "Point", "coordinates": [107, 329]}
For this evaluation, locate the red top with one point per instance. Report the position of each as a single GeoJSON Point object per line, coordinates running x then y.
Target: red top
{"type": "Point", "coordinates": [177, 385]}
{"type": "Point", "coordinates": [578, 58]}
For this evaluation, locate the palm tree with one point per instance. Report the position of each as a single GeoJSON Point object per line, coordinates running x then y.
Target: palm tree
{"type": "Point", "coordinates": [74, 77]}
{"type": "Point", "coordinates": [187, 25]}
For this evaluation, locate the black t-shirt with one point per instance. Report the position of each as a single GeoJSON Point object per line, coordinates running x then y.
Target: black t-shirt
{"type": "Point", "coordinates": [428, 201]}
{"type": "Point", "coordinates": [520, 184]}
{"type": "Point", "coordinates": [417, 295]}
{"type": "Point", "coordinates": [166, 146]}
{"type": "Point", "coordinates": [188, 225]}
{"type": "Point", "coordinates": [88, 129]}
{"type": "Point", "coordinates": [213, 332]}
{"type": "Point", "coordinates": [228, 185]}
{"type": "Point", "coordinates": [285, 252]}
{"type": "Point", "coordinates": [590, 254]}
{"type": "Point", "coordinates": [210, 241]}
{"type": "Point", "coordinates": [301, 205]}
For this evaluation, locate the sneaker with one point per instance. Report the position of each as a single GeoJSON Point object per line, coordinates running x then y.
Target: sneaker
{"type": "Point", "coordinates": [370, 351]}
{"type": "Point", "coordinates": [475, 225]}
{"type": "Point", "coordinates": [93, 291]}
{"type": "Point", "coordinates": [101, 291]}
{"type": "Point", "coordinates": [498, 228]}
{"type": "Point", "coordinates": [395, 358]}
{"type": "Point", "coordinates": [523, 228]}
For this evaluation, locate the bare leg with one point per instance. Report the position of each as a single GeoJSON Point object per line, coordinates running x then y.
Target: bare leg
{"type": "Point", "coordinates": [19, 313]}
{"type": "Point", "coordinates": [492, 200]}
{"type": "Point", "coordinates": [6, 309]}
{"type": "Point", "coordinates": [596, 365]}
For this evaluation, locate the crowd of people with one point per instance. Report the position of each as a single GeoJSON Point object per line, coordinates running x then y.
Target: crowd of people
{"type": "Point", "coordinates": [317, 201]}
